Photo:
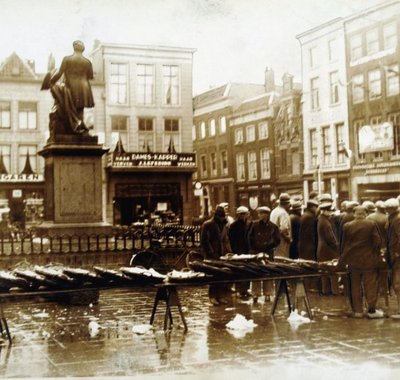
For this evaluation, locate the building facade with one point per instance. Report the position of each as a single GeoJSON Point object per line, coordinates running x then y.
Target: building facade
{"type": "Point", "coordinates": [212, 144]}
{"type": "Point", "coordinates": [325, 111]}
{"type": "Point", "coordinates": [288, 140]}
{"type": "Point", "coordinates": [372, 61]}
{"type": "Point", "coordinates": [148, 112]}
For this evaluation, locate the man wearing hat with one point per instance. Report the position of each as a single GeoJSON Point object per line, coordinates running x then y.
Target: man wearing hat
{"type": "Point", "coordinates": [264, 237]}
{"type": "Point", "coordinates": [296, 209]}
{"type": "Point", "coordinates": [237, 233]}
{"type": "Point", "coordinates": [307, 245]}
{"type": "Point", "coordinates": [229, 219]}
{"type": "Point", "coordinates": [214, 243]}
{"type": "Point", "coordinates": [360, 251]}
{"type": "Point", "coordinates": [327, 248]}
{"type": "Point", "coordinates": [280, 217]}
{"type": "Point", "coordinates": [393, 247]}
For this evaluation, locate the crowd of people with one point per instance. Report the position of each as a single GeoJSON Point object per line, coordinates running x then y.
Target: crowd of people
{"type": "Point", "coordinates": [364, 239]}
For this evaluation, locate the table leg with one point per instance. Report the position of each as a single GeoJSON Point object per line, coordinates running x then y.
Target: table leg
{"type": "Point", "coordinates": [278, 291]}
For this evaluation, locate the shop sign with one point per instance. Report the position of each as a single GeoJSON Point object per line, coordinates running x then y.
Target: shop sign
{"type": "Point", "coordinates": [130, 160]}
{"type": "Point", "coordinates": [17, 193]}
{"type": "Point", "coordinates": [21, 177]}
{"type": "Point", "coordinates": [375, 138]}
{"type": "Point", "coordinates": [378, 165]}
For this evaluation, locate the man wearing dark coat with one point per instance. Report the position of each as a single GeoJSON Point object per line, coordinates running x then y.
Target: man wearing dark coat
{"type": "Point", "coordinates": [327, 248]}
{"type": "Point", "coordinates": [237, 233]}
{"type": "Point", "coordinates": [214, 243]}
{"type": "Point", "coordinates": [308, 238]}
{"type": "Point", "coordinates": [360, 251]}
{"type": "Point", "coordinates": [295, 217]}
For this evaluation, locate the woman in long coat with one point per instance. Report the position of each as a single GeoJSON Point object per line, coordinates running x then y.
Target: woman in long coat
{"type": "Point", "coordinates": [328, 248]}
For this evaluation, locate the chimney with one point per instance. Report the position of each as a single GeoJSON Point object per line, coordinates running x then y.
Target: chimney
{"type": "Point", "coordinates": [269, 80]}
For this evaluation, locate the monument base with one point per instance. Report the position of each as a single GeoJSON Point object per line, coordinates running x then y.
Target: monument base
{"type": "Point", "coordinates": [52, 229]}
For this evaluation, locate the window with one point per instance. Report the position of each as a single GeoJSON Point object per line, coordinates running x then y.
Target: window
{"type": "Point", "coordinates": [241, 175]}
{"type": "Point", "coordinates": [326, 145]}
{"type": "Point", "coordinates": [313, 56]}
{"type": "Point", "coordinates": [5, 115]}
{"type": "Point", "coordinates": [265, 162]}
{"type": "Point", "coordinates": [171, 85]}
{"type": "Point", "coordinates": [146, 135]}
{"type": "Point", "coordinates": [372, 40]}
{"type": "Point", "coordinates": [222, 125]}
{"type": "Point", "coordinates": [212, 127]}
{"type": "Point", "coordinates": [252, 161]}
{"type": "Point", "coordinates": [145, 84]}
{"type": "Point", "coordinates": [358, 88]}
{"type": "Point", "coordinates": [250, 133]}
{"type": "Point", "coordinates": [203, 166]}
{"type": "Point", "coordinates": [334, 86]}
{"type": "Point", "coordinates": [296, 163]}
{"type": "Point", "coordinates": [119, 123]}
{"type": "Point", "coordinates": [332, 49]}
{"type": "Point", "coordinates": [119, 83]}
{"type": "Point", "coordinates": [263, 130]}
{"type": "Point", "coordinates": [340, 144]}
{"type": "Point", "coordinates": [313, 147]}
{"type": "Point", "coordinates": [27, 115]}
{"type": "Point", "coordinates": [238, 136]}
{"type": "Point", "coordinates": [213, 164]}
{"type": "Point", "coordinates": [374, 84]}
{"type": "Point", "coordinates": [5, 159]}
{"type": "Point", "coordinates": [202, 130]}
{"type": "Point", "coordinates": [375, 120]}
{"type": "Point", "coordinates": [224, 162]}
{"type": "Point", "coordinates": [356, 47]}
{"type": "Point", "coordinates": [23, 152]}
{"type": "Point", "coordinates": [389, 36]}
{"type": "Point", "coordinates": [171, 135]}
{"type": "Point", "coordinates": [392, 80]}
{"type": "Point", "coordinates": [358, 124]}
{"type": "Point", "coordinates": [194, 135]}
{"type": "Point", "coordinates": [314, 93]}
{"type": "Point", "coordinates": [395, 119]}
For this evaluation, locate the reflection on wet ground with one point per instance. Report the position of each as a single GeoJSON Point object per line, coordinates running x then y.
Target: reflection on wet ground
{"type": "Point", "coordinates": [53, 340]}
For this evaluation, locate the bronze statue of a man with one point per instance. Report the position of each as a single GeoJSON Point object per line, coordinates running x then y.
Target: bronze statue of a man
{"type": "Point", "coordinates": [72, 95]}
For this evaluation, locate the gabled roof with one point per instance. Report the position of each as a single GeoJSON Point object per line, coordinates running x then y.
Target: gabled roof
{"type": "Point", "coordinates": [264, 100]}
{"type": "Point", "coordinates": [210, 96]}
{"type": "Point", "coordinates": [15, 67]}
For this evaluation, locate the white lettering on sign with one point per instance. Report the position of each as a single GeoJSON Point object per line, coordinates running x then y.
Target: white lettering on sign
{"type": "Point", "coordinates": [21, 177]}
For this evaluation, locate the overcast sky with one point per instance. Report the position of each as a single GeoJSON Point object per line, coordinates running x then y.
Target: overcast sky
{"type": "Point", "coordinates": [235, 39]}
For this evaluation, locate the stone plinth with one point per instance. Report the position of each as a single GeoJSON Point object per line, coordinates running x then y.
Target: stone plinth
{"type": "Point", "coordinates": [73, 186]}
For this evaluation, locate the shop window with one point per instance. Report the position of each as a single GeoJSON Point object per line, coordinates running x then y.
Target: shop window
{"type": "Point", "coordinates": [171, 84]}
{"type": "Point", "coordinates": [119, 123]}
{"type": "Point", "coordinates": [27, 113]}
{"type": "Point", "coordinates": [118, 83]}
{"type": "Point", "coordinates": [145, 84]}
{"type": "Point", "coordinates": [5, 115]}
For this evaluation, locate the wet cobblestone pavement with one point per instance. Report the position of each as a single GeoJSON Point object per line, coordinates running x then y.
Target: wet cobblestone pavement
{"type": "Point", "coordinates": [53, 340]}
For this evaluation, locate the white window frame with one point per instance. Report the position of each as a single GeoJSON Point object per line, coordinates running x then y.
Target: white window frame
{"type": "Point", "coordinates": [203, 130]}
{"type": "Point", "coordinates": [5, 150]}
{"type": "Point", "coordinates": [265, 163]}
{"type": "Point", "coordinates": [212, 127]}
{"type": "Point", "coordinates": [356, 51]}
{"type": "Point", "coordinates": [358, 88]}
{"type": "Point", "coordinates": [334, 87]}
{"type": "Point", "coordinates": [263, 130]}
{"type": "Point", "coordinates": [314, 90]}
{"type": "Point", "coordinates": [27, 118]}
{"type": "Point", "coordinates": [240, 167]}
{"type": "Point", "coordinates": [238, 136]}
{"type": "Point", "coordinates": [145, 84]}
{"type": "Point", "coordinates": [5, 115]}
{"type": "Point", "coordinates": [171, 85]}
{"type": "Point", "coordinates": [390, 35]}
{"type": "Point", "coordinates": [118, 83]}
{"type": "Point", "coordinates": [222, 125]}
{"type": "Point", "coordinates": [326, 145]}
{"type": "Point", "coordinates": [33, 157]}
{"type": "Point", "coordinates": [313, 148]}
{"type": "Point", "coordinates": [372, 41]}
{"type": "Point", "coordinates": [251, 133]}
{"type": "Point", "coordinates": [392, 80]}
{"type": "Point", "coordinates": [252, 165]}
{"type": "Point", "coordinates": [374, 84]}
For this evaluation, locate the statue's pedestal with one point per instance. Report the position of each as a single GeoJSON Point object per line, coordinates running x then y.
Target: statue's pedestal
{"type": "Point", "coordinates": [73, 187]}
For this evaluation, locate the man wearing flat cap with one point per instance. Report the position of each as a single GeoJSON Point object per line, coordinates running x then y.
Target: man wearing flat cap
{"type": "Point", "coordinates": [393, 247]}
{"type": "Point", "coordinates": [280, 217]}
